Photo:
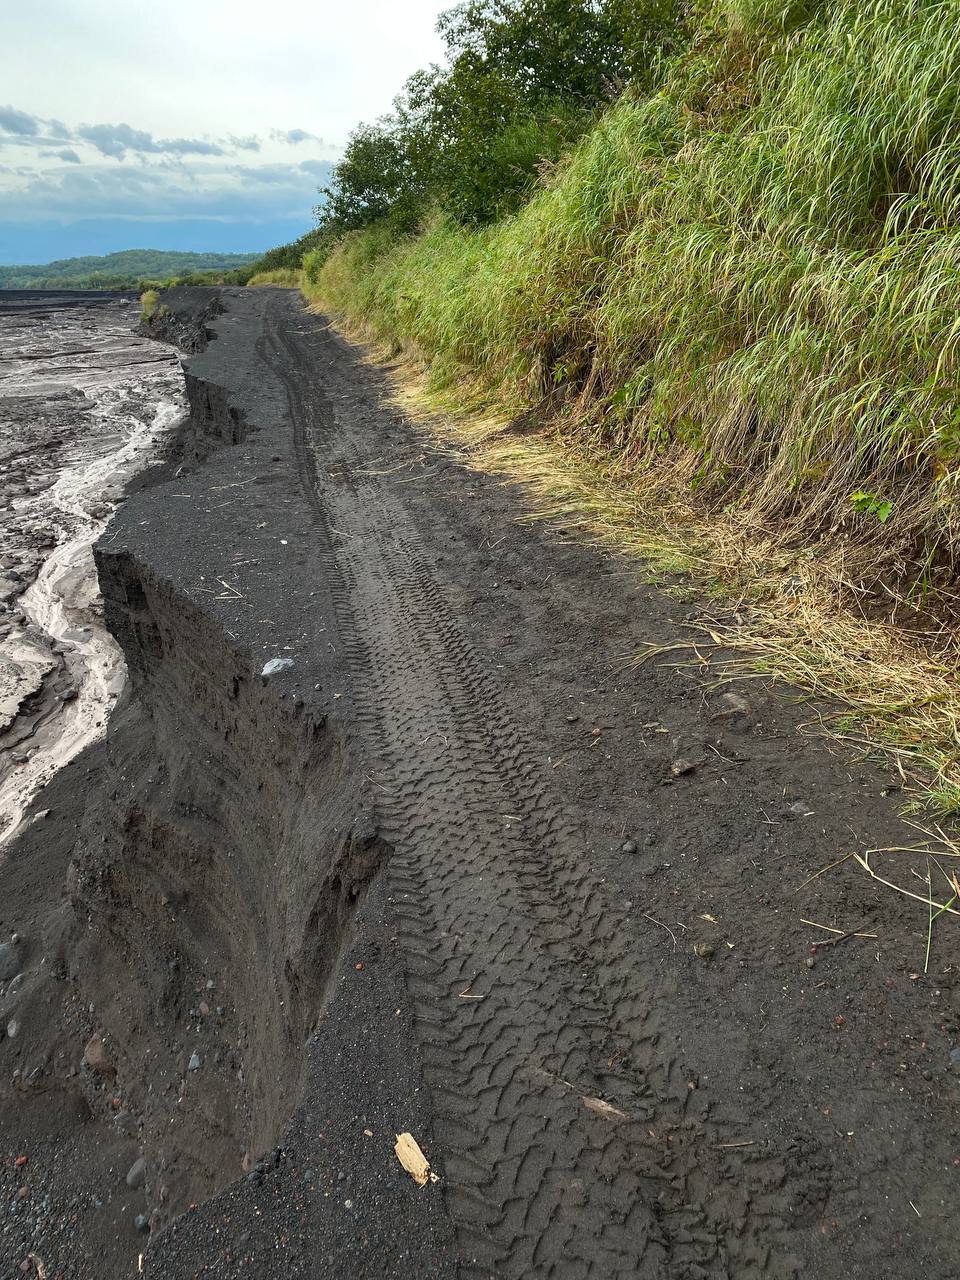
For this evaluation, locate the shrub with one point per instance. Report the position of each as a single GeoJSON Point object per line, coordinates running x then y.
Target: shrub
{"type": "Point", "coordinates": [148, 305]}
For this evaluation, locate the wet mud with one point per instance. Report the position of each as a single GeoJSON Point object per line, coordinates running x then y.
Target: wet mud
{"type": "Point", "coordinates": [85, 403]}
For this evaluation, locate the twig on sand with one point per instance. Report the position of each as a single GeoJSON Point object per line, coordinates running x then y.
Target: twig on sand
{"type": "Point", "coordinates": [933, 915]}
{"type": "Point", "coordinates": [864, 861]}
{"type": "Point", "coordinates": [822, 871]}
{"type": "Point", "coordinates": [841, 936]}
{"type": "Point", "coordinates": [662, 926]}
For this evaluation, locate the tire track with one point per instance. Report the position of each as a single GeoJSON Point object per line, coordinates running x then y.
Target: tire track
{"type": "Point", "coordinates": [572, 1143]}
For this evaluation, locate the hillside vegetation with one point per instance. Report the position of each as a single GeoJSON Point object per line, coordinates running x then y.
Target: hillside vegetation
{"type": "Point", "coordinates": [742, 286]}
{"type": "Point", "coordinates": [128, 269]}
{"type": "Point", "coordinates": [694, 281]}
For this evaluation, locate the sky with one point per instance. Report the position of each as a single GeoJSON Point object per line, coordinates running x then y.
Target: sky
{"type": "Point", "coordinates": [206, 125]}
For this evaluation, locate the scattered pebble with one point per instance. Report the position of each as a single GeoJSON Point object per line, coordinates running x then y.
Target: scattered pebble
{"type": "Point", "coordinates": [11, 961]}
{"type": "Point", "coordinates": [195, 1062]}
{"type": "Point", "coordinates": [629, 846]}
{"type": "Point", "coordinates": [95, 1056]}
{"type": "Point", "coordinates": [730, 706]}
{"type": "Point", "coordinates": [799, 809]}
{"type": "Point", "coordinates": [137, 1173]}
{"type": "Point", "coordinates": [276, 665]}
{"type": "Point", "coordinates": [682, 766]}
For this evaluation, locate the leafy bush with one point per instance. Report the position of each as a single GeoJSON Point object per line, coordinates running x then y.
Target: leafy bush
{"type": "Point", "coordinates": [148, 305]}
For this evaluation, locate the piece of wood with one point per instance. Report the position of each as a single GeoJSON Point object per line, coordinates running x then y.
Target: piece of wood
{"type": "Point", "coordinates": [413, 1160]}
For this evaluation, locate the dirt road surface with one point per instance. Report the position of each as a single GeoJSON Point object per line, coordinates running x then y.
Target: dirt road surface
{"type": "Point", "coordinates": [538, 907]}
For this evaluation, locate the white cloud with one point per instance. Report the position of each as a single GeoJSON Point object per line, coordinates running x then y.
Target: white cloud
{"type": "Point", "coordinates": [228, 112]}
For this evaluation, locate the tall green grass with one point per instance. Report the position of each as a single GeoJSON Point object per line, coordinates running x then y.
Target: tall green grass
{"type": "Point", "coordinates": [746, 287]}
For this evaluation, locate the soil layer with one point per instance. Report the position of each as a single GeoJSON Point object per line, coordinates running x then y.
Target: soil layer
{"type": "Point", "coordinates": [543, 910]}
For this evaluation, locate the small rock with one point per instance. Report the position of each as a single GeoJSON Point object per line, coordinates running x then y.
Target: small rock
{"type": "Point", "coordinates": [955, 1058]}
{"type": "Point", "coordinates": [204, 1009]}
{"type": "Point", "coordinates": [11, 961]}
{"type": "Point", "coordinates": [705, 950]}
{"type": "Point", "coordinates": [810, 962]}
{"type": "Point", "coordinates": [730, 706]}
{"type": "Point", "coordinates": [13, 1026]}
{"type": "Point", "coordinates": [125, 1122]}
{"type": "Point", "coordinates": [572, 719]}
{"type": "Point", "coordinates": [629, 846]}
{"type": "Point", "coordinates": [799, 809]}
{"type": "Point", "coordinates": [142, 1223]}
{"type": "Point", "coordinates": [195, 1063]}
{"type": "Point", "coordinates": [275, 665]}
{"type": "Point", "coordinates": [67, 695]}
{"type": "Point", "coordinates": [681, 766]}
{"type": "Point", "coordinates": [138, 1173]}
{"type": "Point", "coordinates": [95, 1056]}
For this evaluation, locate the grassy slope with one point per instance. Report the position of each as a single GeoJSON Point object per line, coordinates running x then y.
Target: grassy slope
{"type": "Point", "coordinates": [736, 313]}
{"type": "Point", "coordinates": [745, 287]}
{"type": "Point", "coordinates": [131, 264]}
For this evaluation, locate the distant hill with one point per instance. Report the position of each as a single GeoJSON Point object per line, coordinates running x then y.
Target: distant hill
{"type": "Point", "coordinates": [123, 270]}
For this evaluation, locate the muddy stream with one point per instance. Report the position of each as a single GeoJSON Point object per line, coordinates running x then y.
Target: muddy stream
{"type": "Point", "coordinates": [84, 404]}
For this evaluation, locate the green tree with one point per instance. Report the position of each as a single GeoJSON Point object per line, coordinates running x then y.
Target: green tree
{"type": "Point", "coordinates": [523, 79]}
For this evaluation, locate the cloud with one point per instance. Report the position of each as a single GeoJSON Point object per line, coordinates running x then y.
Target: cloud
{"type": "Point", "coordinates": [319, 168]}
{"type": "Point", "coordinates": [19, 123]}
{"type": "Point", "coordinates": [189, 147]}
{"type": "Point", "coordinates": [115, 140]}
{"type": "Point", "coordinates": [293, 136]}
{"type": "Point", "coordinates": [117, 171]}
{"type": "Point", "coordinates": [214, 188]}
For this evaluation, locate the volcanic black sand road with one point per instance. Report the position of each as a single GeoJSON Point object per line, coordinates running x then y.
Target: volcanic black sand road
{"type": "Point", "coordinates": [580, 975]}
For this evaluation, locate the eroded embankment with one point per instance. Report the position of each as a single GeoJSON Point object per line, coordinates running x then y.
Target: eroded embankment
{"type": "Point", "coordinates": [226, 873]}
{"type": "Point", "coordinates": [175, 954]}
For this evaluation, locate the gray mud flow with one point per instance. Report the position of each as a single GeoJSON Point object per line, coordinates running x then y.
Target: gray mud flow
{"type": "Point", "coordinates": [84, 404]}
{"type": "Point", "coordinates": [451, 869]}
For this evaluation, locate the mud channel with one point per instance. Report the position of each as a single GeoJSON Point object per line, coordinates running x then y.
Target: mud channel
{"type": "Point", "coordinates": [85, 403]}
